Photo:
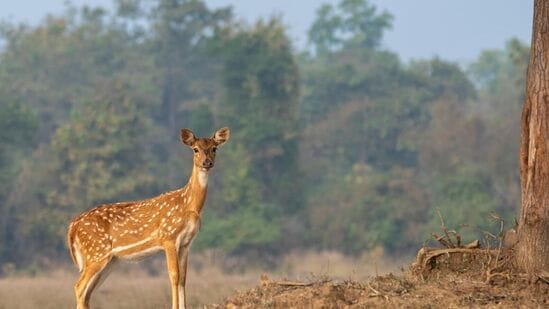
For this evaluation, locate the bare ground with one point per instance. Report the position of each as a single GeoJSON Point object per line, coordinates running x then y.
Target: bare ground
{"type": "Point", "coordinates": [469, 279]}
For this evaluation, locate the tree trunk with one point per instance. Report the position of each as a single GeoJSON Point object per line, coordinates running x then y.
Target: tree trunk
{"type": "Point", "coordinates": [532, 250]}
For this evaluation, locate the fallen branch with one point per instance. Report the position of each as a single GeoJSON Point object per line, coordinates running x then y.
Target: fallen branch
{"type": "Point", "coordinates": [426, 254]}
{"type": "Point", "coordinates": [292, 283]}
{"type": "Point", "coordinates": [265, 281]}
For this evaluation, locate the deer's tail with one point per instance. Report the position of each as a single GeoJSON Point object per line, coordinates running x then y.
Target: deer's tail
{"type": "Point", "coordinates": [71, 243]}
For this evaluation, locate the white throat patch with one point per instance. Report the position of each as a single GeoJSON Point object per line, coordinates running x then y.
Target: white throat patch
{"type": "Point", "coordinates": [203, 178]}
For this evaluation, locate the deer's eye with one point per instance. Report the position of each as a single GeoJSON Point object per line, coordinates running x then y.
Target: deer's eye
{"type": "Point", "coordinates": [214, 149]}
{"type": "Point", "coordinates": [195, 150]}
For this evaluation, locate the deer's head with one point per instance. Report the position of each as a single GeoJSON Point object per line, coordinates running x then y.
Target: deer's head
{"type": "Point", "coordinates": [204, 148]}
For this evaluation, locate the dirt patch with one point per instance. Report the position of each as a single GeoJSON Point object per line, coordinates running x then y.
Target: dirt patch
{"type": "Point", "coordinates": [474, 278]}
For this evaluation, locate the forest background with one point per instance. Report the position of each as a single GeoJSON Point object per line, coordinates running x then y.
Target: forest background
{"type": "Point", "coordinates": [342, 146]}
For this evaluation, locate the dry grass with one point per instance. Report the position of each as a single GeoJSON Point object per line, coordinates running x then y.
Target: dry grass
{"type": "Point", "coordinates": [123, 289]}
{"type": "Point", "coordinates": [334, 264]}
{"type": "Point", "coordinates": [128, 286]}
{"type": "Point", "coordinates": [146, 285]}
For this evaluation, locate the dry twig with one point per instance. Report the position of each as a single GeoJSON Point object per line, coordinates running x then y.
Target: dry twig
{"type": "Point", "coordinates": [447, 232]}
{"type": "Point", "coordinates": [376, 292]}
{"type": "Point", "coordinates": [499, 238]}
{"type": "Point", "coordinates": [544, 276]}
{"type": "Point", "coordinates": [442, 240]}
{"type": "Point", "coordinates": [292, 283]}
{"type": "Point", "coordinates": [490, 275]}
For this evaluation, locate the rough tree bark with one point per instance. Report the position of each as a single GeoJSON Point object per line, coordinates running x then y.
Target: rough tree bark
{"type": "Point", "coordinates": [532, 249]}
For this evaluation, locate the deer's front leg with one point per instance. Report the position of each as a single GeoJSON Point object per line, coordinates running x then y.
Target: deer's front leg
{"type": "Point", "coordinates": [183, 257]}
{"type": "Point", "coordinates": [172, 261]}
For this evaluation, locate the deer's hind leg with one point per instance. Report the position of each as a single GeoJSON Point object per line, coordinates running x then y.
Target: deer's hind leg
{"type": "Point", "coordinates": [90, 277]}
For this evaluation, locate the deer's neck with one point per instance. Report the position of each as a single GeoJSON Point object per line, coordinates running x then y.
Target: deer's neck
{"type": "Point", "coordinates": [197, 189]}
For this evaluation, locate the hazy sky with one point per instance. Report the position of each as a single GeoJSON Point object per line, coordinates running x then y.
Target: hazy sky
{"type": "Point", "coordinates": [452, 29]}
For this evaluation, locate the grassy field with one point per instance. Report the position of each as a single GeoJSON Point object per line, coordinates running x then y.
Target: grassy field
{"type": "Point", "coordinates": [211, 278]}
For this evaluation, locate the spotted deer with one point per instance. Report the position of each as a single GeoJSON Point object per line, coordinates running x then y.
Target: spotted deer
{"type": "Point", "coordinates": [133, 230]}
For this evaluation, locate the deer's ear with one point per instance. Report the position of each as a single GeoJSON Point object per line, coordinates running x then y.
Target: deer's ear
{"type": "Point", "coordinates": [187, 137]}
{"type": "Point", "coordinates": [221, 136]}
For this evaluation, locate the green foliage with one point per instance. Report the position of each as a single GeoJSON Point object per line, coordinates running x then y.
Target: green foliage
{"type": "Point", "coordinates": [102, 153]}
{"type": "Point", "coordinates": [201, 119]}
{"type": "Point", "coordinates": [445, 78]}
{"type": "Point", "coordinates": [501, 77]}
{"type": "Point", "coordinates": [250, 227]}
{"type": "Point", "coordinates": [346, 148]}
{"type": "Point", "coordinates": [17, 126]}
{"type": "Point", "coordinates": [347, 64]}
{"type": "Point", "coordinates": [181, 31]}
{"type": "Point", "coordinates": [344, 76]}
{"type": "Point", "coordinates": [17, 131]}
{"type": "Point", "coordinates": [364, 108]}
{"type": "Point", "coordinates": [464, 200]}
{"type": "Point", "coordinates": [367, 119]}
{"type": "Point", "coordinates": [260, 107]}
{"type": "Point", "coordinates": [55, 64]}
{"type": "Point", "coordinates": [352, 24]}
{"type": "Point", "coordinates": [261, 80]}
{"type": "Point", "coordinates": [497, 70]}
{"type": "Point", "coordinates": [369, 208]}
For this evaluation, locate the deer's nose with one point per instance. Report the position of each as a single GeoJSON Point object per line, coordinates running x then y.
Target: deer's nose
{"type": "Point", "coordinates": [207, 163]}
